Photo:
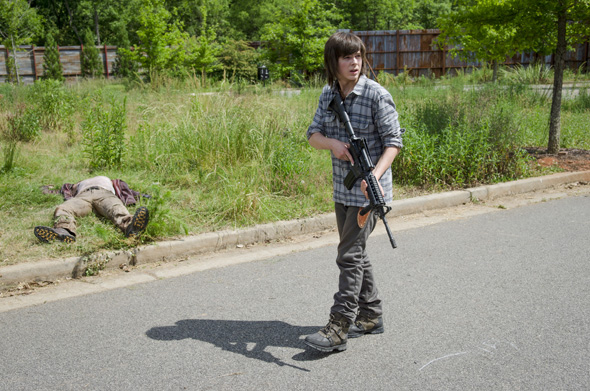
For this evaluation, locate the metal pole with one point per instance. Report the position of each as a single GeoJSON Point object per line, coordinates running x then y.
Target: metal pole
{"type": "Point", "coordinates": [34, 63]}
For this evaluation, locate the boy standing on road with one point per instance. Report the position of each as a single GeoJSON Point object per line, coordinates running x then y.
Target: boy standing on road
{"type": "Point", "coordinates": [357, 308]}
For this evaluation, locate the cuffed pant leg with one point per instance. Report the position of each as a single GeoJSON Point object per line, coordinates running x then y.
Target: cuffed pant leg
{"type": "Point", "coordinates": [356, 286]}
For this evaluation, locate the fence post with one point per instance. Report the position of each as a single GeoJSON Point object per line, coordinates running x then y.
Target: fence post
{"type": "Point", "coordinates": [63, 71]}
{"type": "Point", "coordinates": [34, 63]}
{"type": "Point", "coordinates": [444, 60]}
{"type": "Point", "coordinates": [106, 60]}
{"type": "Point", "coordinates": [396, 52]}
{"type": "Point", "coordinates": [7, 60]}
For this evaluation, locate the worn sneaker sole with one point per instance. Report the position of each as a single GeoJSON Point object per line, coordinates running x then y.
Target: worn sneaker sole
{"type": "Point", "coordinates": [139, 222]}
{"type": "Point", "coordinates": [326, 349]}
{"type": "Point", "coordinates": [48, 235]}
{"type": "Point", "coordinates": [356, 334]}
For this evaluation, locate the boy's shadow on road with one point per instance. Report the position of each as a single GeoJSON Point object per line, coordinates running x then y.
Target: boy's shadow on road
{"type": "Point", "coordinates": [248, 338]}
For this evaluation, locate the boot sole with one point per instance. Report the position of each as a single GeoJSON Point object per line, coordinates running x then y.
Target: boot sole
{"type": "Point", "coordinates": [47, 235]}
{"type": "Point", "coordinates": [327, 349]}
{"type": "Point", "coordinates": [139, 222]}
{"type": "Point", "coordinates": [379, 330]}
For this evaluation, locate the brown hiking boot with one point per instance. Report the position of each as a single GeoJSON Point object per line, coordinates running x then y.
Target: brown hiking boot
{"type": "Point", "coordinates": [139, 222]}
{"type": "Point", "coordinates": [366, 325]}
{"type": "Point", "coordinates": [332, 337]}
{"type": "Point", "coordinates": [47, 235]}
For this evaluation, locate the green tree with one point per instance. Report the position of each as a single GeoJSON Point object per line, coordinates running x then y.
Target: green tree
{"type": "Point", "coordinates": [295, 41]}
{"type": "Point", "coordinates": [552, 27]}
{"type": "Point", "coordinates": [112, 21]}
{"type": "Point", "coordinates": [427, 12]}
{"type": "Point", "coordinates": [125, 65]}
{"type": "Point", "coordinates": [19, 25]}
{"type": "Point", "coordinates": [198, 16]}
{"type": "Point", "coordinates": [90, 60]}
{"type": "Point", "coordinates": [239, 60]}
{"type": "Point", "coordinates": [52, 68]}
{"type": "Point", "coordinates": [161, 41]}
{"type": "Point", "coordinates": [202, 51]}
{"type": "Point", "coordinates": [541, 26]}
{"type": "Point", "coordinates": [473, 34]}
{"type": "Point", "coordinates": [369, 15]}
{"type": "Point", "coordinates": [247, 17]}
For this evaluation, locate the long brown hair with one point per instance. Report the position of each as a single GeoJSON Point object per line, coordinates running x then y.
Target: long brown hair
{"type": "Point", "coordinates": [342, 44]}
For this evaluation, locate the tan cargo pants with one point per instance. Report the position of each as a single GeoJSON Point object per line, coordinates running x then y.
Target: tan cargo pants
{"type": "Point", "coordinates": [102, 202]}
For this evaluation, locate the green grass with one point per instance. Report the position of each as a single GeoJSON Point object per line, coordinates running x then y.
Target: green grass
{"type": "Point", "coordinates": [218, 159]}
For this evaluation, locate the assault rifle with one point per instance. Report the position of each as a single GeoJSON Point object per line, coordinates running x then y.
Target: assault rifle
{"type": "Point", "coordinates": [362, 168]}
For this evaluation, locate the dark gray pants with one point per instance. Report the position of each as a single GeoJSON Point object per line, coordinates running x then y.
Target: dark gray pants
{"type": "Point", "coordinates": [357, 292]}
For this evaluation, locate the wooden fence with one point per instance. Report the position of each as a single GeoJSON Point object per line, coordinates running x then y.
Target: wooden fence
{"type": "Point", "coordinates": [414, 50]}
{"type": "Point", "coordinates": [29, 60]}
{"type": "Point", "coordinates": [389, 51]}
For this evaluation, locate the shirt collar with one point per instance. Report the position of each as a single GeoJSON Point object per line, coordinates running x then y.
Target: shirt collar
{"type": "Point", "coordinates": [358, 87]}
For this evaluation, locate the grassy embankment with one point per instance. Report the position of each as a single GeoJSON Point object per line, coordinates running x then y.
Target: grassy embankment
{"type": "Point", "coordinates": [219, 159]}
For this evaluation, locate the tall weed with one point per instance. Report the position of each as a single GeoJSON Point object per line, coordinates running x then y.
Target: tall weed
{"type": "Point", "coordinates": [22, 124]}
{"type": "Point", "coordinates": [578, 104]}
{"type": "Point", "coordinates": [103, 135]}
{"type": "Point", "coordinates": [9, 154]}
{"type": "Point", "coordinates": [462, 141]}
{"type": "Point", "coordinates": [537, 73]}
{"type": "Point", "coordinates": [55, 105]}
{"type": "Point", "coordinates": [162, 222]}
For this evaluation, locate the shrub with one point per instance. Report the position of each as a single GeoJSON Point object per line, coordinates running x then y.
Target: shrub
{"type": "Point", "coordinates": [21, 125]}
{"type": "Point", "coordinates": [452, 142]}
{"type": "Point", "coordinates": [537, 73]}
{"type": "Point", "coordinates": [125, 66]}
{"type": "Point", "coordinates": [90, 62]}
{"type": "Point", "coordinates": [103, 135]}
{"type": "Point", "coordinates": [239, 61]}
{"type": "Point", "coordinates": [52, 68]}
{"type": "Point", "coordinates": [54, 104]}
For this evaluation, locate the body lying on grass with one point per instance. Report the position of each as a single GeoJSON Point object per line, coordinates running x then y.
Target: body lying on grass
{"type": "Point", "coordinates": [101, 195]}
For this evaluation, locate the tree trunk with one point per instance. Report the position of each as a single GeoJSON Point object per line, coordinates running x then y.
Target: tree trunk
{"type": "Point", "coordinates": [495, 66]}
{"type": "Point", "coordinates": [71, 22]}
{"type": "Point", "coordinates": [555, 119]}
{"type": "Point", "coordinates": [15, 63]}
{"type": "Point", "coordinates": [96, 27]}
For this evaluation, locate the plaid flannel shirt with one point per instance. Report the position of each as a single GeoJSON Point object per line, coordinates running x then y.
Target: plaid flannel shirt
{"type": "Point", "coordinates": [373, 116]}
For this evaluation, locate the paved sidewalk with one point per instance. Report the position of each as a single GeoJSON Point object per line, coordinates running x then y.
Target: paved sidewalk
{"type": "Point", "coordinates": [51, 270]}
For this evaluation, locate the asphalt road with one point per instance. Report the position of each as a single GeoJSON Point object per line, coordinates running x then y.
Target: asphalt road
{"type": "Point", "coordinates": [495, 301]}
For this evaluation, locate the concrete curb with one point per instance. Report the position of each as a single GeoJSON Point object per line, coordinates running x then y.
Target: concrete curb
{"type": "Point", "coordinates": [51, 270]}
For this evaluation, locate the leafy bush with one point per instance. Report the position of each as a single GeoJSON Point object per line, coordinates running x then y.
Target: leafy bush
{"type": "Point", "coordinates": [103, 135]}
{"type": "Point", "coordinates": [454, 142]}
{"type": "Point", "coordinates": [54, 104]}
{"type": "Point", "coordinates": [538, 73]}
{"type": "Point", "coordinates": [90, 61]}
{"type": "Point", "coordinates": [162, 223]}
{"type": "Point", "coordinates": [125, 65]}
{"type": "Point", "coordinates": [52, 68]}
{"type": "Point", "coordinates": [239, 61]}
{"type": "Point", "coordinates": [21, 125]}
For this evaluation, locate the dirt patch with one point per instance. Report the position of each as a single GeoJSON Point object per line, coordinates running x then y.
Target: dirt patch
{"type": "Point", "coordinates": [567, 159]}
